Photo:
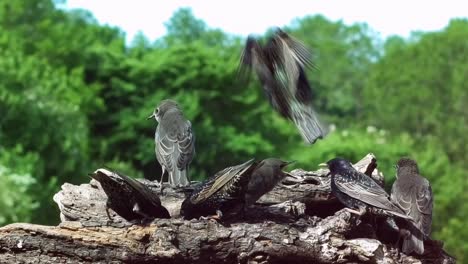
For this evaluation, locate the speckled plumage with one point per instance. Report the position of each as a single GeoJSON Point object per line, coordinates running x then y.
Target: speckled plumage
{"type": "Point", "coordinates": [279, 65]}
{"type": "Point", "coordinates": [129, 198]}
{"type": "Point", "coordinates": [356, 190]}
{"type": "Point", "coordinates": [413, 194]}
{"type": "Point", "coordinates": [223, 192]}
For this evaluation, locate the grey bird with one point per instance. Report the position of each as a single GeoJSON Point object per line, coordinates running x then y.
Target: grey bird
{"type": "Point", "coordinates": [175, 142]}
{"type": "Point", "coordinates": [279, 65]}
{"type": "Point", "coordinates": [266, 175]}
{"type": "Point", "coordinates": [355, 190]}
{"type": "Point", "coordinates": [413, 193]}
{"type": "Point", "coordinates": [128, 197]}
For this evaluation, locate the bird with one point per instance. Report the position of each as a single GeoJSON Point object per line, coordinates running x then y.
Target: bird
{"type": "Point", "coordinates": [357, 191]}
{"type": "Point", "coordinates": [129, 198]}
{"type": "Point", "coordinates": [234, 188]}
{"type": "Point", "coordinates": [174, 142]}
{"type": "Point", "coordinates": [266, 175]}
{"type": "Point", "coordinates": [413, 193]}
{"type": "Point", "coordinates": [223, 192]}
{"type": "Point", "coordinates": [279, 65]}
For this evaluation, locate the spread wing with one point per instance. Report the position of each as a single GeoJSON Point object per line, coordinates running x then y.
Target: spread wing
{"type": "Point", "coordinates": [219, 180]}
{"type": "Point", "coordinates": [365, 189]}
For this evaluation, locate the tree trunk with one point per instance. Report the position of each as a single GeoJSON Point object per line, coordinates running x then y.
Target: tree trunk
{"type": "Point", "coordinates": [298, 222]}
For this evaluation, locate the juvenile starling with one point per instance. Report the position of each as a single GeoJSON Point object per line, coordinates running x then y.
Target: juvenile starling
{"type": "Point", "coordinates": [264, 178]}
{"type": "Point", "coordinates": [279, 65]}
{"type": "Point", "coordinates": [175, 142]}
{"type": "Point", "coordinates": [355, 190]}
{"type": "Point", "coordinates": [224, 192]}
{"type": "Point", "coordinates": [128, 197]}
{"type": "Point", "coordinates": [413, 194]}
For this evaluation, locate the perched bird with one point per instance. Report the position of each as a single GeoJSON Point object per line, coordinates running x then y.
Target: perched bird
{"type": "Point", "coordinates": [224, 192]}
{"type": "Point", "coordinates": [129, 198]}
{"type": "Point", "coordinates": [265, 176]}
{"type": "Point", "coordinates": [413, 194]}
{"type": "Point", "coordinates": [356, 190]}
{"type": "Point", "coordinates": [175, 142]}
{"type": "Point", "coordinates": [279, 65]}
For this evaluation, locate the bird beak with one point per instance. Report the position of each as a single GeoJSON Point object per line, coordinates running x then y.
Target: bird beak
{"type": "Point", "coordinates": [151, 116]}
{"type": "Point", "coordinates": [323, 166]}
{"type": "Point", "coordinates": [286, 163]}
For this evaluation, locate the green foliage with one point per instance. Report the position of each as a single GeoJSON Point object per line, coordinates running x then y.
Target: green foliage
{"type": "Point", "coordinates": [17, 201]}
{"type": "Point", "coordinates": [75, 98]}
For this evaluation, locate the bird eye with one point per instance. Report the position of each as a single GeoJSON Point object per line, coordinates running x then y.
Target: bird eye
{"type": "Point", "coordinates": [157, 110]}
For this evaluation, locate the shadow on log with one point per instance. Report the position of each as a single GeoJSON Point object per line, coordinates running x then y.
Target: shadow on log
{"type": "Point", "coordinates": [298, 222]}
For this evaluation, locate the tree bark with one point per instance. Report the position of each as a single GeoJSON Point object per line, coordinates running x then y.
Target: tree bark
{"type": "Point", "coordinates": [298, 222]}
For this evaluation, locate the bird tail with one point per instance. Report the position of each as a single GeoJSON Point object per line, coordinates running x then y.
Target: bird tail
{"type": "Point", "coordinates": [307, 122]}
{"type": "Point", "coordinates": [179, 178]}
{"type": "Point", "coordinates": [413, 241]}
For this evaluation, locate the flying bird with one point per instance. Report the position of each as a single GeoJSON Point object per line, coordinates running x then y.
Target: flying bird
{"type": "Point", "coordinates": [280, 67]}
{"type": "Point", "coordinates": [175, 142]}
{"type": "Point", "coordinates": [129, 198]}
{"type": "Point", "coordinates": [413, 193]}
{"type": "Point", "coordinates": [357, 191]}
{"type": "Point", "coordinates": [220, 194]}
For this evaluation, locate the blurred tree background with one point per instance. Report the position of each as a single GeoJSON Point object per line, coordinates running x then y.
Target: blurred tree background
{"type": "Point", "coordinates": [74, 96]}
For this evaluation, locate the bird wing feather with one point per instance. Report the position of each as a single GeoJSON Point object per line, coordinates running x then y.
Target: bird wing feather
{"type": "Point", "coordinates": [367, 190]}
{"type": "Point", "coordinates": [219, 180]}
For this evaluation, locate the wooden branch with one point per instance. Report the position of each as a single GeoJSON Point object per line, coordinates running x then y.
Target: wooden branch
{"type": "Point", "coordinates": [284, 227]}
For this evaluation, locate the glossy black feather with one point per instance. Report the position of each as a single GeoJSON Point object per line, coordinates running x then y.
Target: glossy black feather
{"type": "Point", "coordinates": [355, 189]}
{"type": "Point", "coordinates": [124, 194]}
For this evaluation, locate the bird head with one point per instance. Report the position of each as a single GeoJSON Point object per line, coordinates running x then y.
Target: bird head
{"type": "Point", "coordinates": [337, 164]}
{"type": "Point", "coordinates": [277, 163]}
{"type": "Point", "coordinates": [162, 108]}
{"type": "Point", "coordinates": [406, 166]}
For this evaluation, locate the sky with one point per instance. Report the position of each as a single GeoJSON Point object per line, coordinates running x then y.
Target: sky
{"type": "Point", "coordinates": [241, 17]}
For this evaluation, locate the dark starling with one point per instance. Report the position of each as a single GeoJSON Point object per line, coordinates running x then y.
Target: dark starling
{"type": "Point", "coordinates": [279, 65]}
{"type": "Point", "coordinates": [413, 194]}
{"type": "Point", "coordinates": [222, 193]}
{"type": "Point", "coordinates": [175, 142]}
{"type": "Point", "coordinates": [355, 190]}
{"type": "Point", "coordinates": [129, 198]}
{"type": "Point", "coordinates": [265, 176]}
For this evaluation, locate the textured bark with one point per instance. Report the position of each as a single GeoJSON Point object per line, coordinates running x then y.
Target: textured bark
{"type": "Point", "coordinates": [282, 228]}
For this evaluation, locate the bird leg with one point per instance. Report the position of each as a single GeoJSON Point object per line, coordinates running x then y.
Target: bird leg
{"type": "Point", "coordinates": [361, 211]}
{"type": "Point", "coordinates": [161, 181]}
{"type": "Point", "coordinates": [107, 211]}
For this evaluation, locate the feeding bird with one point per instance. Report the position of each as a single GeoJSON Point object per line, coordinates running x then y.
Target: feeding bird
{"type": "Point", "coordinates": [358, 191]}
{"type": "Point", "coordinates": [175, 142]}
{"type": "Point", "coordinates": [224, 192]}
{"type": "Point", "coordinates": [233, 188]}
{"type": "Point", "coordinates": [279, 65]}
{"type": "Point", "coordinates": [413, 193]}
{"type": "Point", "coordinates": [129, 198]}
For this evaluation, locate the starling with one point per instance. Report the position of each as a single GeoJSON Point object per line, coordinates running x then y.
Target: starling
{"type": "Point", "coordinates": [264, 178]}
{"type": "Point", "coordinates": [355, 190]}
{"type": "Point", "coordinates": [413, 194]}
{"type": "Point", "coordinates": [222, 193]}
{"type": "Point", "coordinates": [279, 65]}
{"type": "Point", "coordinates": [175, 142]}
{"type": "Point", "coordinates": [129, 198]}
